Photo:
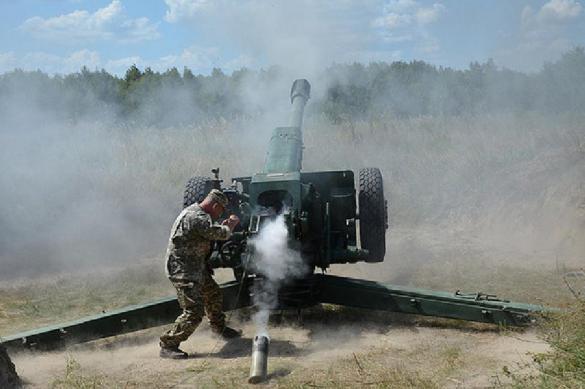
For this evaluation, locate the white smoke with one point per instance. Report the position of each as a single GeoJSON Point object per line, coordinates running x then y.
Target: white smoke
{"type": "Point", "coordinates": [278, 265]}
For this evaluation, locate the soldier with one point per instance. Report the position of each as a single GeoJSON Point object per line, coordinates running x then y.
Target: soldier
{"type": "Point", "coordinates": [190, 245]}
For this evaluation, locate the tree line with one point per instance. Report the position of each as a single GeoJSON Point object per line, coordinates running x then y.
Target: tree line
{"type": "Point", "coordinates": [352, 91]}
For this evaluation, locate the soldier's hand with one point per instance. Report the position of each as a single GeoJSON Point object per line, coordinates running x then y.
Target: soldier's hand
{"type": "Point", "coordinates": [231, 222]}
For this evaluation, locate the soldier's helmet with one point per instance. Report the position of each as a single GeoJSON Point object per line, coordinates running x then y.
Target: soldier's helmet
{"type": "Point", "coordinates": [218, 196]}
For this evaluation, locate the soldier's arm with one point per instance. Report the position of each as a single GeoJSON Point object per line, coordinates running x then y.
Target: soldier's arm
{"type": "Point", "coordinates": [207, 229]}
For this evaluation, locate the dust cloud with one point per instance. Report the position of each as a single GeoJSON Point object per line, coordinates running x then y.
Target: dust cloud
{"type": "Point", "coordinates": [102, 187]}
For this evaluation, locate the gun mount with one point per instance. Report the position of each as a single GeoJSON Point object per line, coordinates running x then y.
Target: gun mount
{"type": "Point", "coordinates": [321, 208]}
{"type": "Point", "coordinates": [330, 218]}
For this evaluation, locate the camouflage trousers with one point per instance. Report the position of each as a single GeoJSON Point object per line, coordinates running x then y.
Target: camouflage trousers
{"type": "Point", "coordinates": [193, 298]}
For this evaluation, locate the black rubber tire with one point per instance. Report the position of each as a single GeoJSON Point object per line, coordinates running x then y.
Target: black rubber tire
{"type": "Point", "coordinates": [373, 214]}
{"type": "Point", "coordinates": [196, 190]}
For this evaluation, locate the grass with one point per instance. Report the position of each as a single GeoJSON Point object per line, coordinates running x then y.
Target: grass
{"type": "Point", "coordinates": [513, 282]}
{"type": "Point", "coordinates": [564, 366]}
{"type": "Point", "coordinates": [25, 305]}
{"type": "Point", "coordinates": [121, 188]}
{"type": "Point", "coordinates": [74, 378]}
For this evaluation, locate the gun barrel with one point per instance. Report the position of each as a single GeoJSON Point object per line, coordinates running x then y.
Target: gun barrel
{"type": "Point", "coordinates": [299, 95]}
{"type": "Point", "coordinates": [285, 150]}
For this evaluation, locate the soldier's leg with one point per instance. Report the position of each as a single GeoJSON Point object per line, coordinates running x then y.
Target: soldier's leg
{"type": "Point", "coordinates": [191, 301]}
{"type": "Point", "coordinates": [213, 301]}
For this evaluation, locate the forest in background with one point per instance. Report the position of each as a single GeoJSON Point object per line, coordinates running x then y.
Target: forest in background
{"type": "Point", "coordinates": [351, 92]}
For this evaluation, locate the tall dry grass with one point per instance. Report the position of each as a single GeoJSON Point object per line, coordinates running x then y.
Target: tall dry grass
{"type": "Point", "coordinates": [101, 196]}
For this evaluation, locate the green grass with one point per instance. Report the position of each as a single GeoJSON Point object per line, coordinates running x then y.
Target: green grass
{"type": "Point", "coordinates": [564, 366]}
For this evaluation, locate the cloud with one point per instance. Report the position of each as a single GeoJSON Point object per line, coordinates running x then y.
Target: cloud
{"type": "Point", "coordinates": [140, 29]}
{"type": "Point", "coordinates": [242, 61]}
{"type": "Point", "coordinates": [428, 15]}
{"type": "Point", "coordinates": [50, 63]}
{"type": "Point", "coordinates": [301, 36]}
{"type": "Point", "coordinates": [406, 21]}
{"type": "Point", "coordinates": [543, 35]}
{"type": "Point", "coordinates": [560, 10]}
{"type": "Point", "coordinates": [194, 57]}
{"type": "Point", "coordinates": [551, 14]}
{"type": "Point", "coordinates": [400, 5]}
{"type": "Point", "coordinates": [403, 13]}
{"type": "Point", "coordinates": [199, 59]}
{"type": "Point", "coordinates": [107, 23]}
{"type": "Point", "coordinates": [183, 9]}
{"type": "Point", "coordinates": [120, 65]}
{"type": "Point", "coordinates": [393, 20]}
{"type": "Point", "coordinates": [63, 65]}
{"type": "Point", "coordinates": [304, 35]}
{"type": "Point", "coordinates": [8, 61]}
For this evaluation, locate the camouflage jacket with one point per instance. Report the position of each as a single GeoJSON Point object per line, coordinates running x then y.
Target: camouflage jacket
{"type": "Point", "coordinates": [190, 244]}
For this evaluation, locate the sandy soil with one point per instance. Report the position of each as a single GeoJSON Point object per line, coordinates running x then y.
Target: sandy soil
{"type": "Point", "coordinates": [463, 357]}
{"type": "Point", "coordinates": [331, 347]}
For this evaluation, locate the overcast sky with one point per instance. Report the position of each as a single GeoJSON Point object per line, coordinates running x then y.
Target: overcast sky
{"type": "Point", "coordinates": [60, 36]}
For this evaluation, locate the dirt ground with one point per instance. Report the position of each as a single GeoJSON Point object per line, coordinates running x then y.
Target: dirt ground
{"type": "Point", "coordinates": [388, 352]}
{"type": "Point", "coordinates": [328, 346]}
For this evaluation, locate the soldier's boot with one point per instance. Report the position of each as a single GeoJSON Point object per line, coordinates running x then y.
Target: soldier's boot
{"type": "Point", "coordinates": [227, 333]}
{"type": "Point", "coordinates": [175, 352]}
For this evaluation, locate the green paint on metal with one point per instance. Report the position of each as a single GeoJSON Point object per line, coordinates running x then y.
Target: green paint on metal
{"type": "Point", "coordinates": [115, 322]}
{"type": "Point", "coordinates": [373, 295]}
{"type": "Point", "coordinates": [285, 150]}
{"type": "Point", "coordinates": [314, 290]}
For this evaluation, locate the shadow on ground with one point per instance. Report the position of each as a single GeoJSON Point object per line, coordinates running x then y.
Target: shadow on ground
{"type": "Point", "coordinates": [243, 347]}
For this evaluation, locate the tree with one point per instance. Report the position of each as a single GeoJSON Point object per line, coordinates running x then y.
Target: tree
{"type": "Point", "coordinates": [187, 74]}
{"type": "Point", "coordinates": [133, 74]}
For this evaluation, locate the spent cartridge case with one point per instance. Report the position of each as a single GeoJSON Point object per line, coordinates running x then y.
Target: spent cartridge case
{"type": "Point", "coordinates": [259, 367]}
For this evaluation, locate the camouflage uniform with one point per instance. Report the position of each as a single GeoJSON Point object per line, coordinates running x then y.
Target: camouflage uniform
{"type": "Point", "coordinates": [189, 247]}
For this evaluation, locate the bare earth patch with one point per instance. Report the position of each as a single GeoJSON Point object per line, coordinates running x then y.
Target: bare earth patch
{"type": "Point", "coordinates": [394, 353]}
{"type": "Point", "coordinates": [330, 347]}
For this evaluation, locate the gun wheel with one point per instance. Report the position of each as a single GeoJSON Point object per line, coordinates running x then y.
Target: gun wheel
{"type": "Point", "coordinates": [373, 213]}
{"type": "Point", "coordinates": [196, 190]}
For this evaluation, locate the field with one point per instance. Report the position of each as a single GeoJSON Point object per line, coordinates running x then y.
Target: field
{"type": "Point", "coordinates": [492, 203]}
{"type": "Point", "coordinates": [332, 347]}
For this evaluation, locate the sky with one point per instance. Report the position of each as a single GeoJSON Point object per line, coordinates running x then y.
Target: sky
{"type": "Point", "coordinates": [61, 36]}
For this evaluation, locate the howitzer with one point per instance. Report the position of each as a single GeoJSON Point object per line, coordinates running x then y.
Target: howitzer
{"type": "Point", "coordinates": [330, 218]}
{"type": "Point", "coordinates": [320, 208]}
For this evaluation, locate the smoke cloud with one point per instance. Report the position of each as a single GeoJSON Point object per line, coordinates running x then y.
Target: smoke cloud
{"type": "Point", "coordinates": [92, 176]}
{"type": "Point", "coordinates": [277, 264]}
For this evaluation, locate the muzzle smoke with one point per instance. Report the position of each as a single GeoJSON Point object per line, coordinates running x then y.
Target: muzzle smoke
{"type": "Point", "coordinates": [278, 264]}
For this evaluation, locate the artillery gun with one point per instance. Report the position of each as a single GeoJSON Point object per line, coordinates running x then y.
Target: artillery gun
{"type": "Point", "coordinates": [330, 218]}
{"type": "Point", "coordinates": [320, 208]}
